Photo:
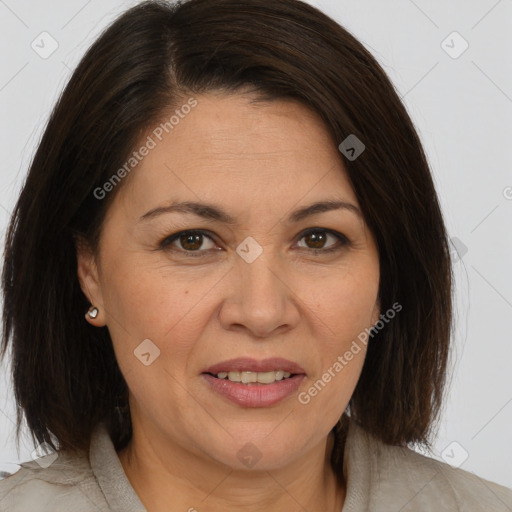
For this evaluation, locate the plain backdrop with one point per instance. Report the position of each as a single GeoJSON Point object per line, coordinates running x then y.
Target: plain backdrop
{"type": "Point", "coordinates": [451, 63]}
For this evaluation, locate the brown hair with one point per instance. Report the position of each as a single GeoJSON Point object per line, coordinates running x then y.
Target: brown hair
{"type": "Point", "coordinates": [66, 378]}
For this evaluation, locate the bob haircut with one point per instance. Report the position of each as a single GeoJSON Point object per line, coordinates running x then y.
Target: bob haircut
{"type": "Point", "coordinates": [144, 65]}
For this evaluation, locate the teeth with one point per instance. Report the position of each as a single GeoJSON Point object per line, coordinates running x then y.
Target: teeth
{"type": "Point", "coordinates": [247, 377]}
{"type": "Point", "coordinates": [234, 376]}
{"type": "Point", "coordinates": [252, 377]}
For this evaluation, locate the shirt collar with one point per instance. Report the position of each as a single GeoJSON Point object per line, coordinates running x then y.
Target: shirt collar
{"type": "Point", "coordinates": [110, 474]}
{"type": "Point", "coordinates": [357, 469]}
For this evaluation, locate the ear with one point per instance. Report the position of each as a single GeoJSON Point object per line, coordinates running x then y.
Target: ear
{"type": "Point", "coordinates": [88, 277]}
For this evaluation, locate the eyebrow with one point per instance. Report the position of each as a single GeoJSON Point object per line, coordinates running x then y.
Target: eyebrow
{"type": "Point", "coordinates": [214, 213]}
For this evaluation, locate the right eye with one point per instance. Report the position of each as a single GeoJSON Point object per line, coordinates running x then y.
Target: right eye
{"type": "Point", "coordinates": [189, 241]}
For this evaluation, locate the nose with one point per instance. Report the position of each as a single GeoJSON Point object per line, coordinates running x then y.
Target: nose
{"type": "Point", "coordinates": [260, 299]}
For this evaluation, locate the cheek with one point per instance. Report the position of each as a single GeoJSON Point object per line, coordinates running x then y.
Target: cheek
{"type": "Point", "coordinates": [327, 394]}
{"type": "Point", "coordinates": [144, 303]}
{"type": "Point", "coordinates": [345, 307]}
{"type": "Point", "coordinates": [150, 301]}
{"type": "Point", "coordinates": [346, 311]}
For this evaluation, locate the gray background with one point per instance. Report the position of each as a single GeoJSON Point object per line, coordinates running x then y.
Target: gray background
{"type": "Point", "coordinates": [461, 104]}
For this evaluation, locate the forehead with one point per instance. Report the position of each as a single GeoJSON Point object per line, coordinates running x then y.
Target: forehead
{"type": "Point", "coordinates": [229, 149]}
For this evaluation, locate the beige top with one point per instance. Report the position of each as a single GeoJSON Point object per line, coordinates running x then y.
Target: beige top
{"type": "Point", "coordinates": [380, 478]}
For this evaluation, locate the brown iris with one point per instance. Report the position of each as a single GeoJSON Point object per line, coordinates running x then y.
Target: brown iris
{"type": "Point", "coordinates": [191, 241]}
{"type": "Point", "coordinates": [317, 239]}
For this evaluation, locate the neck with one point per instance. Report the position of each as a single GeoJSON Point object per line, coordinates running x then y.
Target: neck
{"type": "Point", "coordinates": [188, 482]}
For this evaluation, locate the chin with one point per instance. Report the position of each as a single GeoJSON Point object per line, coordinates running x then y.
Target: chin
{"type": "Point", "coordinates": [263, 452]}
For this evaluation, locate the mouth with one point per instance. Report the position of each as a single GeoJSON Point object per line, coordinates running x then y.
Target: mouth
{"type": "Point", "coordinates": [252, 383]}
{"type": "Point", "coordinates": [250, 371]}
{"type": "Point", "coordinates": [248, 377]}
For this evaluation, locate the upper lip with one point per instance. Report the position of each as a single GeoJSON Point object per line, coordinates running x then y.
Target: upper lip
{"type": "Point", "coordinates": [240, 364]}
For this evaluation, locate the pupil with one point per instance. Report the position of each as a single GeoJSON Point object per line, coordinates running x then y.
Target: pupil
{"type": "Point", "coordinates": [318, 239]}
{"type": "Point", "coordinates": [194, 239]}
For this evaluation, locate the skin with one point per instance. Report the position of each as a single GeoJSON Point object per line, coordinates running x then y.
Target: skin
{"type": "Point", "coordinates": [258, 162]}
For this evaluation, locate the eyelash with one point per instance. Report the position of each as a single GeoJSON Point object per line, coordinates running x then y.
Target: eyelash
{"type": "Point", "coordinates": [167, 241]}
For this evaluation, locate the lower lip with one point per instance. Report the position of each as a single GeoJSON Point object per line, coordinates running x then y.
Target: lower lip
{"type": "Point", "coordinates": [255, 395]}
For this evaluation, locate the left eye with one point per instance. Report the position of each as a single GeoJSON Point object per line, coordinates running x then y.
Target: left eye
{"type": "Point", "coordinates": [192, 241]}
{"type": "Point", "coordinates": [318, 238]}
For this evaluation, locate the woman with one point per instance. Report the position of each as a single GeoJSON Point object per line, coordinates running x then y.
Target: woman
{"type": "Point", "coordinates": [234, 194]}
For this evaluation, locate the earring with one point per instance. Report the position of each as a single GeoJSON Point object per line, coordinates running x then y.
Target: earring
{"type": "Point", "coordinates": [93, 312]}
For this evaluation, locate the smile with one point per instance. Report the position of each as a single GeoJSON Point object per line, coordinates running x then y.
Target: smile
{"type": "Point", "coordinates": [248, 377]}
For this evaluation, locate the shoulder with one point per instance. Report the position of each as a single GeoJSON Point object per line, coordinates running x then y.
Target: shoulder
{"type": "Point", "coordinates": [401, 477]}
{"type": "Point", "coordinates": [52, 484]}
{"type": "Point", "coordinates": [438, 481]}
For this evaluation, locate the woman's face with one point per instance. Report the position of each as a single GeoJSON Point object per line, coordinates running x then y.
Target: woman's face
{"type": "Point", "coordinates": [258, 287]}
